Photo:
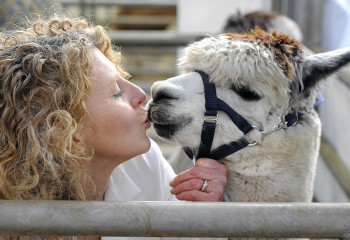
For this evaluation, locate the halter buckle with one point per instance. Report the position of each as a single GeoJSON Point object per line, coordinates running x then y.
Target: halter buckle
{"type": "Point", "coordinates": [211, 118]}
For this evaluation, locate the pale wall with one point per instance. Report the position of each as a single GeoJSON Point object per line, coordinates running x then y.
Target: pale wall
{"type": "Point", "coordinates": [209, 16]}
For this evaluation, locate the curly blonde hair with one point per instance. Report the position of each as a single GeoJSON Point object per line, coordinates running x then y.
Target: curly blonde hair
{"type": "Point", "coordinates": [45, 77]}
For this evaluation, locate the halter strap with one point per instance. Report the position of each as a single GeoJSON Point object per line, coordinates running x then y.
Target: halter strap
{"type": "Point", "coordinates": [292, 119]}
{"type": "Point", "coordinates": [237, 119]}
{"type": "Point", "coordinates": [212, 104]}
{"type": "Point", "coordinates": [209, 123]}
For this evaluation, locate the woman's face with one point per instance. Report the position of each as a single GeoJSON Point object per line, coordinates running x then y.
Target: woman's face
{"type": "Point", "coordinates": [116, 124]}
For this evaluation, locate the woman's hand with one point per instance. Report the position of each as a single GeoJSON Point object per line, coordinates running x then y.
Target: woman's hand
{"type": "Point", "coordinates": [190, 184]}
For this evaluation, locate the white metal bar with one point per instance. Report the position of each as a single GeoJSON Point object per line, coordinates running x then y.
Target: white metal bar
{"type": "Point", "coordinates": [187, 219]}
{"type": "Point", "coordinates": [143, 20]}
{"type": "Point", "coordinates": [158, 38]}
{"type": "Point", "coordinates": [148, 3]}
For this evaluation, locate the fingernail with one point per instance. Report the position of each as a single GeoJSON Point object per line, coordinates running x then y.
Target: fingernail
{"type": "Point", "coordinates": [171, 183]}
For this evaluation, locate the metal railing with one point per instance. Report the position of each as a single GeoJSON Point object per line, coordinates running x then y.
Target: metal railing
{"type": "Point", "coordinates": [173, 219]}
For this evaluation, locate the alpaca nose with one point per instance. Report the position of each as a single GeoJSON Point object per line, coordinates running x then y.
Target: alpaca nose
{"type": "Point", "coordinates": [155, 87]}
{"type": "Point", "coordinates": [162, 91]}
{"type": "Point", "coordinates": [162, 95]}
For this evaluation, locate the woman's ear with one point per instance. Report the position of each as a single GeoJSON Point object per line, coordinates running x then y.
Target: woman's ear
{"type": "Point", "coordinates": [77, 137]}
{"type": "Point", "coordinates": [77, 143]}
{"type": "Point", "coordinates": [80, 141]}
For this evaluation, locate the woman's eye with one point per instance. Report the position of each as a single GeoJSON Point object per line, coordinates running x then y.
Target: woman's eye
{"type": "Point", "coordinates": [118, 94]}
{"type": "Point", "coordinates": [246, 93]}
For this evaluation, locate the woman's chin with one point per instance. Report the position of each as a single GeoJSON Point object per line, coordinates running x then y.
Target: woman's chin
{"type": "Point", "coordinates": [146, 145]}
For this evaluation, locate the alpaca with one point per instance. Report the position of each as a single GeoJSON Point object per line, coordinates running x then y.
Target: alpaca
{"type": "Point", "coordinates": [266, 79]}
{"type": "Point", "coordinates": [238, 23]}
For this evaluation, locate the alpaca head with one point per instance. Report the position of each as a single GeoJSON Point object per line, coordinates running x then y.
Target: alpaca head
{"type": "Point", "coordinates": [261, 76]}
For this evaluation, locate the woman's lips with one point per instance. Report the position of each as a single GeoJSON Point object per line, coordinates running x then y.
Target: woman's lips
{"type": "Point", "coordinates": [147, 124]}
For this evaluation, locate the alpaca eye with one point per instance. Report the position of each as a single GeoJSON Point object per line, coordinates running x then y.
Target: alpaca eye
{"type": "Point", "coordinates": [246, 93]}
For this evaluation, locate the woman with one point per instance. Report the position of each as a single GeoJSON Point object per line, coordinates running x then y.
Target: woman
{"type": "Point", "coordinates": [73, 128]}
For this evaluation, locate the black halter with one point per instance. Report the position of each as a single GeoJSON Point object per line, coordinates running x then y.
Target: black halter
{"type": "Point", "coordinates": [212, 105]}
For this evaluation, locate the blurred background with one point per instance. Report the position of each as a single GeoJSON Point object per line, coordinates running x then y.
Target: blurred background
{"type": "Point", "coordinates": [152, 33]}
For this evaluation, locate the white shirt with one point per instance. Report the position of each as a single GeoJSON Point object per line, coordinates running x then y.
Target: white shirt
{"type": "Point", "coordinates": [143, 178]}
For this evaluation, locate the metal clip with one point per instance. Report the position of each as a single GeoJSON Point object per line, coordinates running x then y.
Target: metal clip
{"type": "Point", "coordinates": [283, 124]}
{"type": "Point", "coordinates": [211, 118]}
{"type": "Point", "coordinates": [255, 142]}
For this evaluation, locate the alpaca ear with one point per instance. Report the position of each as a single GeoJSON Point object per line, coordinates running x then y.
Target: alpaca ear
{"type": "Point", "coordinates": [320, 66]}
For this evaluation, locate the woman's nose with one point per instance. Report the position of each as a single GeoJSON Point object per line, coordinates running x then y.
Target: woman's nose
{"type": "Point", "coordinates": [138, 96]}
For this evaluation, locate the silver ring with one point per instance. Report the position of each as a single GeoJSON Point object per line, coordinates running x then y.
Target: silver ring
{"type": "Point", "coordinates": [205, 185]}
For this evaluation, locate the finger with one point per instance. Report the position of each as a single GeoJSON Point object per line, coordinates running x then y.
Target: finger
{"type": "Point", "coordinates": [218, 172]}
{"type": "Point", "coordinates": [198, 196]}
{"type": "Point", "coordinates": [195, 172]}
{"type": "Point", "coordinates": [214, 186]}
{"type": "Point", "coordinates": [213, 192]}
{"type": "Point", "coordinates": [192, 184]}
{"type": "Point", "coordinates": [212, 164]}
